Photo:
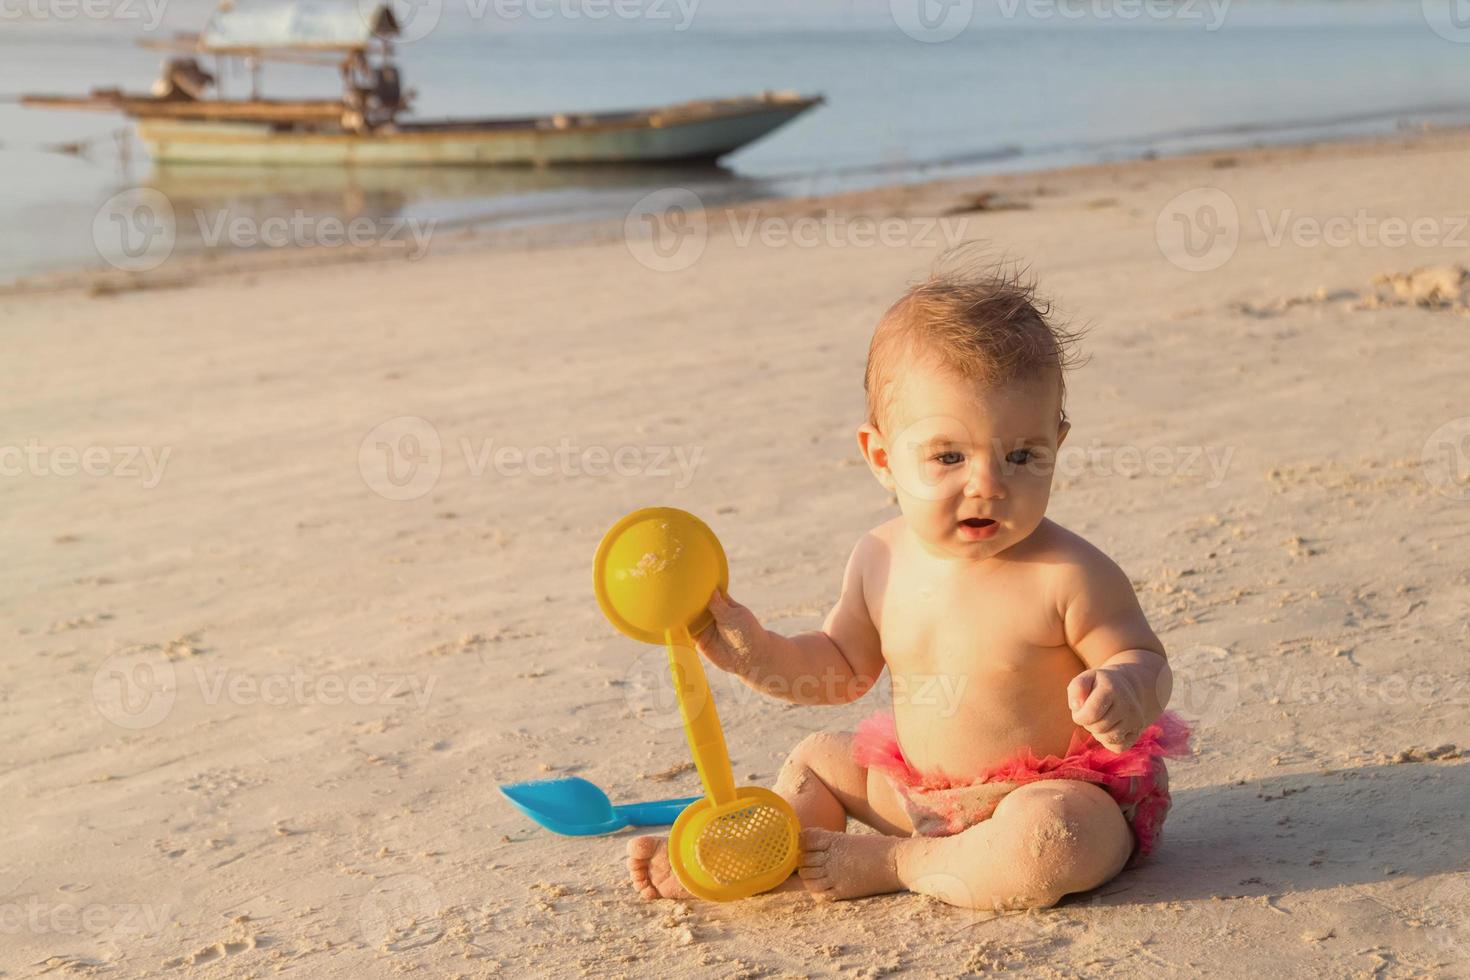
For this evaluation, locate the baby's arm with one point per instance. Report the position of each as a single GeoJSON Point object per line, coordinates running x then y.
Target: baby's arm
{"type": "Point", "coordinates": [834, 665]}
{"type": "Point", "coordinates": [1127, 683]}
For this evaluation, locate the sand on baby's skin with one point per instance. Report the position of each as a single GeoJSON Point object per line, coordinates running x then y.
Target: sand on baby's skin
{"type": "Point", "coordinates": [1298, 539]}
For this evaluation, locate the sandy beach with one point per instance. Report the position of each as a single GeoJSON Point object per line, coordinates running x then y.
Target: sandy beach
{"type": "Point", "coordinates": [301, 549]}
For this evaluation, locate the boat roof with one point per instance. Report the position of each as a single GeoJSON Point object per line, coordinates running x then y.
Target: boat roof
{"type": "Point", "coordinates": [313, 25]}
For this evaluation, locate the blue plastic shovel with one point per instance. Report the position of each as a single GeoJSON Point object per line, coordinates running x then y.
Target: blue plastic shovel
{"type": "Point", "coordinates": [576, 808]}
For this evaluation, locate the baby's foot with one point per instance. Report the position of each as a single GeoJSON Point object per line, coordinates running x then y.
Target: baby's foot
{"type": "Point", "coordinates": [648, 863]}
{"type": "Point", "coordinates": [837, 866]}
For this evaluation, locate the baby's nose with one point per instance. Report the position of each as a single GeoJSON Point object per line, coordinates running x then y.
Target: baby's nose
{"type": "Point", "coordinates": [986, 480]}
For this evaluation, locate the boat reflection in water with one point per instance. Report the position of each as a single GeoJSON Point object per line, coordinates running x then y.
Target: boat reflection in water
{"type": "Point", "coordinates": [235, 207]}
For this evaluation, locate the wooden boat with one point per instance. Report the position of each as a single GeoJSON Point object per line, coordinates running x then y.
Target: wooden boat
{"type": "Point", "coordinates": [179, 123]}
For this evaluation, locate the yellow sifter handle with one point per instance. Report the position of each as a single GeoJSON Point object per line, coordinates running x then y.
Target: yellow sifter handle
{"type": "Point", "coordinates": [701, 720]}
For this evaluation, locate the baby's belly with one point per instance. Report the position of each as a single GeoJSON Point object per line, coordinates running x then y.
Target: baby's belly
{"type": "Point", "coordinates": [962, 723]}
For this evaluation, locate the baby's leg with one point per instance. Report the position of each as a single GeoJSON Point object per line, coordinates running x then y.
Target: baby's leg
{"type": "Point", "coordinates": [822, 784]}
{"type": "Point", "coordinates": [1045, 840]}
{"type": "Point", "coordinates": [825, 787]}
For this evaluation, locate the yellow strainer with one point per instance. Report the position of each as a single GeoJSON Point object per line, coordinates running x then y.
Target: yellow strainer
{"type": "Point", "coordinates": [654, 572]}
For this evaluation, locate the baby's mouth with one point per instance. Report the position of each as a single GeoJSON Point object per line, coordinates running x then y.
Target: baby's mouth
{"type": "Point", "coordinates": [977, 522]}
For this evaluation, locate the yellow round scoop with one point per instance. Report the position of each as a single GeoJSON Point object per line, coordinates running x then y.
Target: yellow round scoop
{"type": "Point", "coordinates": [654, 573]}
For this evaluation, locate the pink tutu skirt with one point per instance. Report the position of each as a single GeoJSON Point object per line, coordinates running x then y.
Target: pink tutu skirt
{"type": "Point", "coordinates": [940, 805]}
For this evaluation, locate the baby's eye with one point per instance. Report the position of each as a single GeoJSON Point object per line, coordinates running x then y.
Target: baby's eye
{"type": "Point", "coordinates": [1020, 457]}
{"type": "Point", "coordinates": [950, 458]}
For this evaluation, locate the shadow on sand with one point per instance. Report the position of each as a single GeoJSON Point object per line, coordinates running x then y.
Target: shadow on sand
{"type": "Point", "coordinates": [1306, 831]}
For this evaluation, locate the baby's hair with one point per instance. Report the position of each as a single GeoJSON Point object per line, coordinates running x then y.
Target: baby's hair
{"type": "Point", "coordinates": [981, 319]}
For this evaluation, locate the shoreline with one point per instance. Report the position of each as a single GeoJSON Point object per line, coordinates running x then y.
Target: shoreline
{"type": "Point", "coordinates": [931, 197]}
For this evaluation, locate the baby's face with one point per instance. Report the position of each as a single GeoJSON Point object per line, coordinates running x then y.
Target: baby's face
{"type": "Point", "coordinates": [971, 465]}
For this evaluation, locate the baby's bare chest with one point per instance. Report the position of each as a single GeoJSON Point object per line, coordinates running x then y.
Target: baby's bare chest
{"type": "Point", "coordinates": [999, 623]}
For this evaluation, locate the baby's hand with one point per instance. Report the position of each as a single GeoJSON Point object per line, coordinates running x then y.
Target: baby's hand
{"type": "Point", "coordinates": [1104, 702]}
{"type": "Point", "coordinates": [736, 640]}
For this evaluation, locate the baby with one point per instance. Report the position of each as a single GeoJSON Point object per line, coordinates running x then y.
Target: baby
{"type": "Point", "coordinates": [1023, 757]}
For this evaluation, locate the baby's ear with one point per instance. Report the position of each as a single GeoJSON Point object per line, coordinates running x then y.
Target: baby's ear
{"type": "Point", "coordinates": [875, 452]}
{"type": "Point", "coordinates": [1063, 429]}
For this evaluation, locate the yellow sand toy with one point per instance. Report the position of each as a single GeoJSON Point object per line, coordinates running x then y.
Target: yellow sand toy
{"type": "Point", "coordinates": [654, 573]}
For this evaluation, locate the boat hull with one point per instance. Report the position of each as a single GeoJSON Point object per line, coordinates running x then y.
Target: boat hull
{"type": "Point", "coordinates": [516, 143]}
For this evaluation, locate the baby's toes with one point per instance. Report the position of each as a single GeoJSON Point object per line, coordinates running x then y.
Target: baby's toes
{"type": "Point", "coordinates": [812, 868]}
{"type": "Point", "coordinates": [648, 866]}
{"type": "Point", "coordinates": [640, 859]}
{"type": "Point", "coordinates": [816, 845]}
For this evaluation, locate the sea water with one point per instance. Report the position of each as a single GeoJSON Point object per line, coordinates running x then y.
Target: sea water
{"type": "Point", "coordinates": [1011, 85]}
